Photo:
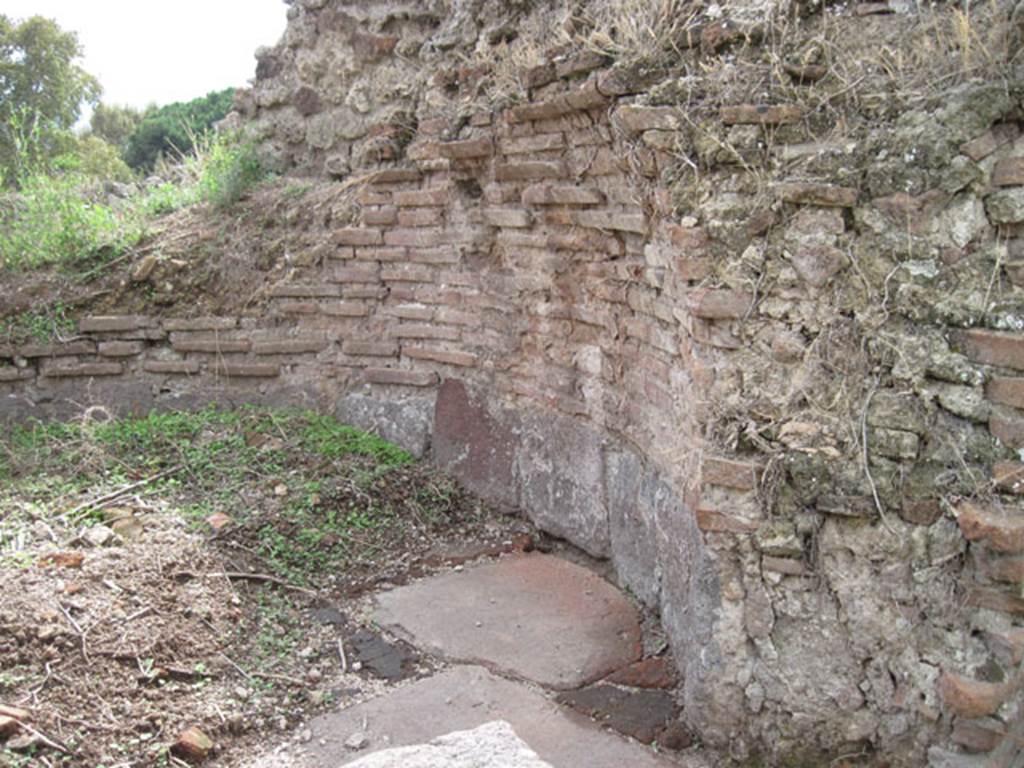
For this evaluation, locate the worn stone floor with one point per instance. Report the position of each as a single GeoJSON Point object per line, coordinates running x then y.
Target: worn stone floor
{"type": "Point", "coordinates": [530, 641]}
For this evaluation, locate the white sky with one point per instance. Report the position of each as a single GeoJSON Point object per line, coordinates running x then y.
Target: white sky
{"type": "Point", "coordinates": [155, 51]}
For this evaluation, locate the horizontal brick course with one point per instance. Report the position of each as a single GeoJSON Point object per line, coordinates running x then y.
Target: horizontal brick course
{"type": "Point", "coordinates": [401, 377]}
{"type": "Point", "coordinates": [719, 304]}
{"type": "Point", "coordinates": [357, 236]}
{"type": "Point", "coordinates": [526, 145]}
{"type": "Point", "coordinates": [531, 171]}
{"type": "Point", "coordinates": [612, 220]}
{"type": "Point", "coordinates": [508, 217]}
{"type": "Point", "coordinates": [419, 198]}
{"type": "Point", "coordinates": [759, 114]}
{"type": "Point", "coordinates": [550, 194]}
{"type": "Point", "coordinates": [247, 370]}
{"type": "Point", "coordinates": [293, 291]}
{"type": "Point", "coordinates": [992, 347]}
{"type": "Point", "coordinates": [200, 323]}
{"type": "Point", "coordinates": [446, 356]}
{"type": "Point", "coordinates": [121, 348]}
{"type": "Point", "coordinates": [290, 346]}
{"type": "Point", "coordinates": [467, 149]}
{"type": "Point", "coordinates": [808, 193]}
{"type": "Point", "coordinates": [10, 374]}
{"type": "Point", "coordinates": [1006, 391]}
{"type": "Point", "coordinates": [422, 331]}
{"type": "Point", "coordinates": [69, 349]}
{"type": "Point", "coordinates": [370, 348]}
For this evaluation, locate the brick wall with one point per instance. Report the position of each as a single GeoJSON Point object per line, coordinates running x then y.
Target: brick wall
{"type": "Point", "coordinates": [521, 298]}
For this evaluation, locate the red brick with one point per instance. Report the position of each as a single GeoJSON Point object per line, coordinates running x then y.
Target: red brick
{"type": "Point", "coordinates": [367, 196]}
{"type": "Point", "coordinates": [580, 63]}
{"type": "Point", "coordinates": [420, 198]}
{"type": "Point", "coordinates": [120, 348]}
{"type": "Point", "coordinates": [983, 146]}
{"type": "Point", "coordinates": [729, 473]}
{"type": "Point", "coordinates": [83, 370]}
{"type": "Point", "coordinates": [246, 370]}
{"type": "Point", "coordinates": [421, 217]}
{"type": "Point", "coordinates": [467, 149]}
{"type": "Point", "coordinates": [363, 273]}
{"type": "Point", "coordinates": [344, 309]}
{"type": "Point", "coordinates": [759, 114]}
{"type": "Point", "coordinates": [381, 254]}
{"type": "Point", "coordinates": [965, 697]}
{"type": "Point", "coordinates": [530, 171]}
{"type": "Point", "coordinates": [69, 349]}
{"type": "Point", "coordinates": [9, 374]}
{"type": "Point", "coordinates": [171, 366]}
{"type": "Point", "coordinates": [713, 521]}
{"type": "Point", "coordinates": [525, 145]}
{"type": "Point", "coordinates": [416, 238]}
{"type": "Point", "coordinates": [299, 308]}
{"type": "Point", "coordinates": [418, 312]}
{"type": "Point", "coordinates": [448, 357]}
{"type": "Point", "coordinates": [996, 600]}
{"type": "Point", "coordinates": [394, 176]}
{"type": "Point", "coordinates": [421, 331]}
{"type": "Point", "coordinates": [113, 323]}
{"type": "Point", "coordinates": [587, 96]}
{"type": "Point", "coordinates": [293, 291]}
{"type": "Point", "coordinates": [407, 273]}
{"type": "Point", "coordinates": [370, 348]}
{"type": "Point", "coordinates": [807, 193]}
{"type": "Point", "coordinates": [290, 346]}
{"type": "Point", "coordinates": [200, 324]}
{"type": "Point", "coordinates": [1008, 172]}
{"type": "Point", "coordinates": [688, 238]}
{"type": "Point", "coordinates": [992, 347]}
{"type": "Point", "coordinates": [439, 255]}
{"type": "Point", "coordinates": [357, 236]}
{"type": "Point", "coordinates": [401, 377]}
{"type": "Point", "coordinates": [634, 119]}
{"type": "Point", "coordinates": [383, 216]}
{"type": "Point", "coordinates": [719, 304]}
{"type": "Point", "coordinates": [1009, 476]}
{"type": "Point", "coordinates": [508, 217]}
{"type": "Point", "coordinates": [1000, 529]}
{"type": "Point", "coordinates": [978, 735]}
{"type": "Point", "coordinates": [1006, 391]}
{"type": "Point", "coordinates": [550, 194]}
{"type": "Point", "coordinates": [541, 110]}
{"type": "Point", "coordinates": [612, 220]}
{"type": "Point", "coordinates": [212, 346]}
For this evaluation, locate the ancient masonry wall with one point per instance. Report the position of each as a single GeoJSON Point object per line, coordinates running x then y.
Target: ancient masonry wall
{"type": "Point", "coordinates": [519, 300]}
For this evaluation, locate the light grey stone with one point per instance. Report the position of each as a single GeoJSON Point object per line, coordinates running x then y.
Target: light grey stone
{"type": "Point", "coordinates": [493, 745]}
{"type": "Point", "coordinates": [406, 422]}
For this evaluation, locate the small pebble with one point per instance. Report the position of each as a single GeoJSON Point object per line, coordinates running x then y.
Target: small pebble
{"type": "Point", "coordinates": [357, 741]}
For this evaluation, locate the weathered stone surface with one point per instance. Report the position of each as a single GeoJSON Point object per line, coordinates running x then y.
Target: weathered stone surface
{"type": "Point", "coordinates": [407, 422]}
{"type": "Point", "coordinates": [534, 616]}
{"type": "Point", "coordinates": [493, 744]}
{"type": "Point", "coordinates": [462, 698]}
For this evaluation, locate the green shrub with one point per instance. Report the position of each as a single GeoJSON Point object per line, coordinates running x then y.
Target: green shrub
{"type": "Point", "coordinates": [55, 220]}
{"type": "Point", "coordinates": [230, 166]}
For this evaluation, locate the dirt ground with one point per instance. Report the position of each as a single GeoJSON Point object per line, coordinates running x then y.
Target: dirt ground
{"type": "Point", "coordinates": [140, 604]}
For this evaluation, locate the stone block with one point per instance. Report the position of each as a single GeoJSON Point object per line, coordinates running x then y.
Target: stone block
{"type": "Point", "coordinates": [82, 370]}
{"type": "Point", "coordinates": [444, 356]}
{"type": "Point", "coordinates": [357, 236]}
{"type": "Point", "coordinates": [1006, 206]}
{"type": "Point", "coordinates": [1008, 172]}
{"type": "Point", "coordinates": [174, 367]}
{"type": "Point", "coordinates": [113, 323]}
{"type": "Point", "coordinates": [405, 421]}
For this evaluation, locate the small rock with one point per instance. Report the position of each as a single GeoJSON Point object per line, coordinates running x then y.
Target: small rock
{"type": "Point", "coordinates": [357, 741]}
{"type": "Point", "coordinates": [100, 536]}
{"type": "Point", "coordinates": [128, 528]}
{"type": "Point", "coordinates": [280, 489]}
{"type": "Point", "coordinates": [144, 269]}
{"type": "Point", "coordinates": [218, 520]}
{"type": "Point", "coordinates": [306, 736]}
{"type": "Point", "coordinates": [63, 559]}
{"type": "Point", "coordinates": [193, 744]}
{"type": "Point", "coordinates": [8, 726]}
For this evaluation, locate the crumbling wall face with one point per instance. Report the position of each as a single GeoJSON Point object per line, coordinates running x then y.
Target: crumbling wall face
{"type": "Point", "coordinates": [768, 372]}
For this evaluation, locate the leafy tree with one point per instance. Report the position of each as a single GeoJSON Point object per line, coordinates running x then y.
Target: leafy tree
{"type": "Point", "coordinates": [171, 130]}
{"type": "Point", "coordinates": [42, 90]}
{"type": "Point", "coordinates": [114, 124]}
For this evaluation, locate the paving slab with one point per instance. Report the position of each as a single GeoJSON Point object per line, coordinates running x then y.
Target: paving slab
{"type": "Point", "coordinates": [466, 697]}
{"type": "Point", "coordinates": [494, 745]}
{"type": "Point", "coordinates": [533, 616]}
